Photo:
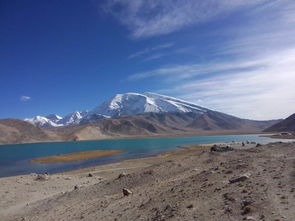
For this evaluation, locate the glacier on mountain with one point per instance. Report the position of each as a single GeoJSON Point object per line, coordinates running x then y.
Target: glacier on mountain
{"type": "Point", "coordinates": [135, 103]}
{"type": "Point", "coordinates": [121, 105]}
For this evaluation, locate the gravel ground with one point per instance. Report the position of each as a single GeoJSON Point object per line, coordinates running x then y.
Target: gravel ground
{"type": "Point", "coordinates": [255, 183]}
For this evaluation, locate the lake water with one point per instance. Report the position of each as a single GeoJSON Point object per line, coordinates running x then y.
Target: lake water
{"type": "Point", "coordinates": [15, 159]}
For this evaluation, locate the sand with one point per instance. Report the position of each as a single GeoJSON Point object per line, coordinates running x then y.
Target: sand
{"type": "Point", "coordinates": [76, 156]}
{"type": "Point", "coordinates": [191, 184]}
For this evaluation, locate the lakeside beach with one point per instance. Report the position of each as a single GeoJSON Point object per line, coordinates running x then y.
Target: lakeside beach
{"type": "Point", "coordinates": [16, 159]}
{"type": "Point", "coordinates": [194, 173]}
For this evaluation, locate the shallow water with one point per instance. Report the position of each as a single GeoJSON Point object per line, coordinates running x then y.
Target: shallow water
{"type": "Point", "coordinates": [14, 159]}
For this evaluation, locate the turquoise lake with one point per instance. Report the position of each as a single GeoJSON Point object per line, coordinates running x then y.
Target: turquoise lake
{"type": "Point", "coordinates": [14, 159]}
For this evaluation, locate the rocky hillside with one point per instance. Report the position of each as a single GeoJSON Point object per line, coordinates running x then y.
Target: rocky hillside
{"type": "Point", "coordinates": [161, 124]}
{"type": "Point", "coordinates": [286, 125]}
{"type": "Point", "coordinates": [18, 131]}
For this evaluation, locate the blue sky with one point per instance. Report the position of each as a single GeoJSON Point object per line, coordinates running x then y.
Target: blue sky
{"type": "Point", "coordinates": [58, 56]}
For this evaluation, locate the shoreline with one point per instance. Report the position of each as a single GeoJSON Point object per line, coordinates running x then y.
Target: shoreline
{"type": "Point", "coordinates": [179, 149]}
{"type": "Point", "coordinates": [182, 149]}
{"type": "Point", "coordinates": [201, 134]}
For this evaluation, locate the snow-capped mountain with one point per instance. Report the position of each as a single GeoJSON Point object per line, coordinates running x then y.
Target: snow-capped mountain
{"type": "Point", "coordinates": [54, 118]}
{"type": "Point", "coordinates": [73, 118]}
{"type": "Point", "coordinates": [121, 105]}
{"type": "Point", "coordinates": [42, 122]}
{"type": "Point", "coordinates": [134, 103]}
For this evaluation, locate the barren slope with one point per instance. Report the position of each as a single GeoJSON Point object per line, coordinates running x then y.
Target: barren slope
{"type": "Point", "coordinates": [18, 131]}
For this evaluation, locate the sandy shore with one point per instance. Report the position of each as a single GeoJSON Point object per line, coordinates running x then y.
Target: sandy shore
{"type": "Point", "coordinates": [190, 184]}
{"type": "Point", "coordinates": [76, 156]}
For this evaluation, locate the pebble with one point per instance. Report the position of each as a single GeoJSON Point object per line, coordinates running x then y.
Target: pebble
{"type": "Point", "coordinates": [126, 192]}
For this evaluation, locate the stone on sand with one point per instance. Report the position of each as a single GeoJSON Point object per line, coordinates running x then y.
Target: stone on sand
{"type": "Point", "coordinates": [240, 178]}
{"type": "Point", "coordinates": [126, 192]}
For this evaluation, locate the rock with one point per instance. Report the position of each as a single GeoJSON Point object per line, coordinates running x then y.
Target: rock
{"type": "Point", "coordinates": [190, 206]}
{"type": "Point", "coordinates": [258, 145]}
{"type": "Point", "coordinates": [241, 166]}
{"type": "Point", "coordinates": [68, 178]}
{"type": "Point", "coordinates": [240, 178]}
{"type": "Point", "coordinates": [246, 203]}
{"type": "Point", "coordinates": [121, 175]}
{"type": "Point", "coordinates": [228, 172]}
{"type": "Point", "coordinates": [228, 197]}
{"type": "Point", "coordinates": [76, 187]}
{"type": "Point", "coordinates": [90, 175]}
{"type": "Point", "coordinates": [246, 210]}
{"type": "Point", "coordinates": [261, 216]}
{"type": "Point", "coordinates": [216, 148]}
{"type": "Point", "coordinates": [42, 177]}
{"type": "Point", "coordinates": [228, 210]}
{"type": "Point", "coordinates": [126, 192]}
{"type": "Point", "coordinates": [249, 218]}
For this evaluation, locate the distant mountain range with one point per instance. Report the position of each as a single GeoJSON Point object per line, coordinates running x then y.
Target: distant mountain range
{"type": "Point", "coordinates": [128, 115]}
{"type": "Point", "coordinates": [286, 125]}
{"type": "Point", "coordinates": [119, 106]}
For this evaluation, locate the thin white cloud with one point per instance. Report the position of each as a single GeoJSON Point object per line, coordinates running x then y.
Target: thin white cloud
{"type": "Point", "coordinates": [178, 72]}
{"type": "Point", "coordinates": [266, 92]}
{"type": "Point", "coordinates": [155, 56]}
{"type": "Point", "coordinates": [150, 50]}
{"type": "Point", "coordinates": [25, 98]}
{"type": "Point", "coordinates": [252, 76]}
{"type": "Point", "coordinates": [146, 18]}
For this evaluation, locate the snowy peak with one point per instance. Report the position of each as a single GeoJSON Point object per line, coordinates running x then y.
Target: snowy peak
{"type": "Point", "coordinates": [54, 118]}
{"type": "Point", "coordinates": [121, 105]}
{"type": "Point", "coordinates": [42, 122]}
{"type": "Point", "coordinates": [134, 103]}
{"type": "Point", "coordinates": [73, 118]}
{"type": "Point", "coordinates": [126, 104]}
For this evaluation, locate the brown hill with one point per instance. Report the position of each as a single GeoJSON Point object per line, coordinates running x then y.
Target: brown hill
{"type": "Point", "coordinates": [18, 131]}
{"type": "Point", "coordinates": [149, 124]}
{"type": "Point", "coordinates": [155, 124]}
{"type": "Point", "coordinates": [286, 125]}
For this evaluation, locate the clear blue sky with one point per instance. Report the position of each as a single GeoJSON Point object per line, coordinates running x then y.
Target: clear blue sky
{"type": "Point", "coordinates": [58, 56]}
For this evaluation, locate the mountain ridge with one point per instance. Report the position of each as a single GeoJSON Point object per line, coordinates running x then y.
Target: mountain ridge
{"type": "Point", "coordinates": [130, 115]}
{"type": "Point", "coordinates": [141, 125]}
{"type": "Point", "coordinates": [119, 106]}
{"type": "Point", "coordinates": [287, 124]}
